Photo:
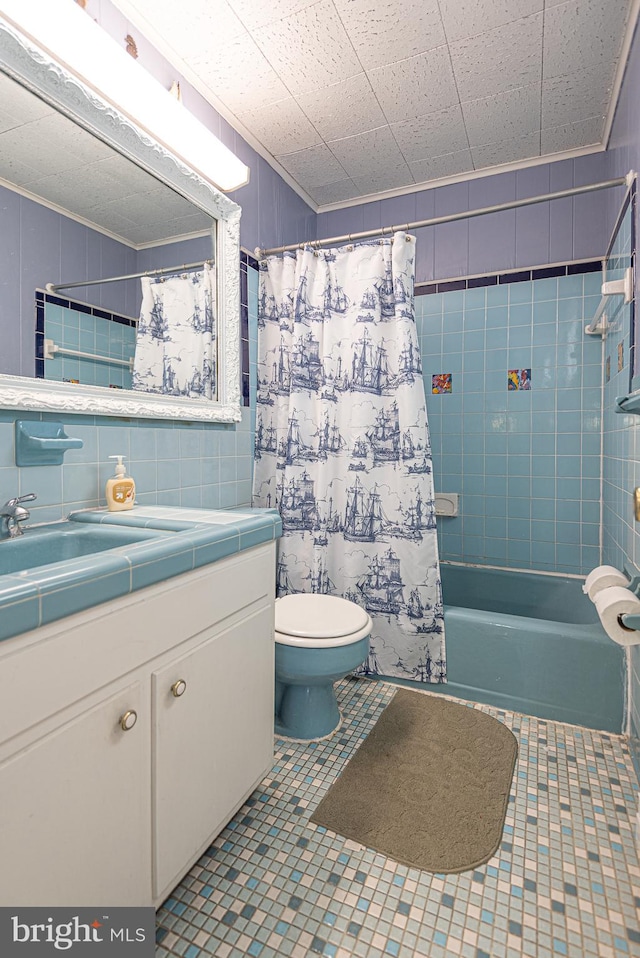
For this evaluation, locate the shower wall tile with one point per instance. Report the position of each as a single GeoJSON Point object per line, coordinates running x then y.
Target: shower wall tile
{"type": "Point", "coordinates": [525, 461]}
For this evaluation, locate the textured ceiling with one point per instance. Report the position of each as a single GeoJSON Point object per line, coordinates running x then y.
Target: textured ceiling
{"type": "Point", "coordinates": [358, 97]}
{"type": "Point", "coordinates": [48, 156]}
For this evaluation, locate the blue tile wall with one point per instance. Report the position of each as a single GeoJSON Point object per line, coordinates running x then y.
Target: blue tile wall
{"type": "Point", "coordinates": [527, 462]}
{"type": "Point", "coordinates": [188, 464]}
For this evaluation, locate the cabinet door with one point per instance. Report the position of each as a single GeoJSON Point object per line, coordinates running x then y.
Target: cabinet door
{"type": "Point", "coordinates": [212, 743]}
{"type": "Point", "coordinates": [75, 810]}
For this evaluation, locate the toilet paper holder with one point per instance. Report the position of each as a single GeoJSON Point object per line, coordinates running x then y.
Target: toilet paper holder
{"type": "Point", "coordinates": [605, 580]}
{"type": "Point", "coordinates": [631, 620]}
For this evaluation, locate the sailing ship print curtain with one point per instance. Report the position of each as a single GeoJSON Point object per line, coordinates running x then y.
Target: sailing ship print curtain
{"type": "Point", "coordinates": [342, 444]}
{"type": "Point", "coordinates": [176, 338]}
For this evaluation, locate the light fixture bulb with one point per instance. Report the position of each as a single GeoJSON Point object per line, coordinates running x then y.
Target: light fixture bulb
{"type": "Point", "coordinates": [65, 31]}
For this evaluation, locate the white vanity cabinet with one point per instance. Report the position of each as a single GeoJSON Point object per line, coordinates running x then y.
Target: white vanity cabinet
{"type": "Point", "coordinates": [200, 778]}
{"type": "Point", "coordinates": [75, 806]}
{"type": "Point", "coordinates": [132, 732]}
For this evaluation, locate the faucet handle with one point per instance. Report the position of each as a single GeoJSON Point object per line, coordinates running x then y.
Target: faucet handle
{"type": "Point", "coordinates": [28, 497]}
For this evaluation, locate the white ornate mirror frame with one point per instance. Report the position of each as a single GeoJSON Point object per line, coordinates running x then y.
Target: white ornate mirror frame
{"type": "Point", "coordinates": [27, 64]}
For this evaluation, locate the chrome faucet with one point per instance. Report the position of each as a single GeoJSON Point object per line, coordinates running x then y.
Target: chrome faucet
{"type": "Point", "coordinates": [13, 513]}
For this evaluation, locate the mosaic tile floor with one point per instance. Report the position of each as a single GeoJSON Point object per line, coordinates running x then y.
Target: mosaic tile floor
{"type": "Point", "coordinates": [565, 880]}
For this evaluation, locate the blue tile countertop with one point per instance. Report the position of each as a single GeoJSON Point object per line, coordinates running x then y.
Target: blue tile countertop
{"type": "Point", "coordinates": [186, 539]}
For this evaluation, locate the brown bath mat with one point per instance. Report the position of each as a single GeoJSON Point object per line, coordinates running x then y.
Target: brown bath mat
{"type": "Point", "coordinates": [428, 787]}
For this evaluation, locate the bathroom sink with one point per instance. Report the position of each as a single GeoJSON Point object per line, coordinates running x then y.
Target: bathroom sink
{"type": "Point", "coordinates": [59, 541]}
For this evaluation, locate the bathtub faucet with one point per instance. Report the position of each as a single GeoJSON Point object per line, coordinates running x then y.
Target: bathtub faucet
{"type": "Point", "coordinates": [13, 513]}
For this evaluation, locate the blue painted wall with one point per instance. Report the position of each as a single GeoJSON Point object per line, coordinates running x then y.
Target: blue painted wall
{"type": "Point", "coordinates": [556, 232]}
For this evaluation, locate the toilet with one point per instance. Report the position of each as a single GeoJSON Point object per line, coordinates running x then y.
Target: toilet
{"type": "Point", "coordinates": [319, 639]}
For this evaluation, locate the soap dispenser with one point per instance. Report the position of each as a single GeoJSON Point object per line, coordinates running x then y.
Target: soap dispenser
{"type": "Point", "coordinates": [120, 489]}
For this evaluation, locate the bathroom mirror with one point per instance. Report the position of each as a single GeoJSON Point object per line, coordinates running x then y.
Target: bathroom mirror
{"type": "Point", "coordinates": [135, 158]}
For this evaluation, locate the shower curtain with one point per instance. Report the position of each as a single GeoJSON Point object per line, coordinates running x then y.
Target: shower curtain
{"type": "Point", "coordinates": [342, 444]}
{"type": "Point", "coordinates": [176, 338]}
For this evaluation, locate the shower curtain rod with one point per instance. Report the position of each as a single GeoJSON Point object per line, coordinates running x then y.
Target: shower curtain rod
{"type": "Point", "coordinates": [54, 287]}
{"type": "Point", "coordinates": [451, 217]}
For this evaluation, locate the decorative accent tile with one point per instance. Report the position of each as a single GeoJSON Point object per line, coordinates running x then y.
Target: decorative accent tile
{"type": "Point", "coordinates": [441, 383]}
{"type": "Point", "coordinates": [561, 883]}
{"type": "Point", "coordinates": [519, 379]}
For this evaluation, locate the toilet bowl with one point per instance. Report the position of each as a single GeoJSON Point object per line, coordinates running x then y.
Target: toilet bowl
{"type": "Point", "coordinates": [319, 639]}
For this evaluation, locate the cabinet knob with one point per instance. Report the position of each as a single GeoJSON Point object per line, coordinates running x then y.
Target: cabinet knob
{"type": "Point", "coordinates": [128, 720]}
{"type": "Point", "coordinates": [179, 688]}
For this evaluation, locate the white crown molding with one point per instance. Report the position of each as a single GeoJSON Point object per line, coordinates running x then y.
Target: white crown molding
{"type": "Point", "coordinates": [464, 177]}
{"type": "Point", "coordinates": [163, 47]}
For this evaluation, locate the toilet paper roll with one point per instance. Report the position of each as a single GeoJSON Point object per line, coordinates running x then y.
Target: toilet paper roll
{"type": "Point", "coordinates": [603, 577]}
{"type": "Point", "coordinates": [612, 603]}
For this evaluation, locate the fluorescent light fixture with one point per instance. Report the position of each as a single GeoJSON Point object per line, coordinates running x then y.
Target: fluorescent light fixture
{"type": "Point", "coordinates": [70, 36]}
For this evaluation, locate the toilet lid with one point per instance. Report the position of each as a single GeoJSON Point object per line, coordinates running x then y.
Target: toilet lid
{"type": "Point", "coordinates": [318, 616]}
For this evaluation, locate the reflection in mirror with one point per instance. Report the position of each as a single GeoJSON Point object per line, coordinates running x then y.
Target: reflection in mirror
{"type": "Point", "coordinates": [50, 157]}
{"type": "Point", "coordinates": [170, 349]}
{"type": "Point", "coordinates": [79, 209]}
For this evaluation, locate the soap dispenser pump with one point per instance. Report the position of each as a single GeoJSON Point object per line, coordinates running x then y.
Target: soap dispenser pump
{"type": "Point", "coordinates": [120, 490]}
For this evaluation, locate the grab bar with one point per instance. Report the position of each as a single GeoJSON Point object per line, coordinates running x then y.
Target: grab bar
{"type": "Point", "coordinates": [52, 349]}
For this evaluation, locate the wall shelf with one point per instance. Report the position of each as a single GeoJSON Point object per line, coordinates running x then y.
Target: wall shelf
{"type": "Point", "coordinates": [42, 443]}
{"type": "Point", "coordinates": [628, 404]}
{"type": "Point", "coordinates": [617, 287]}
